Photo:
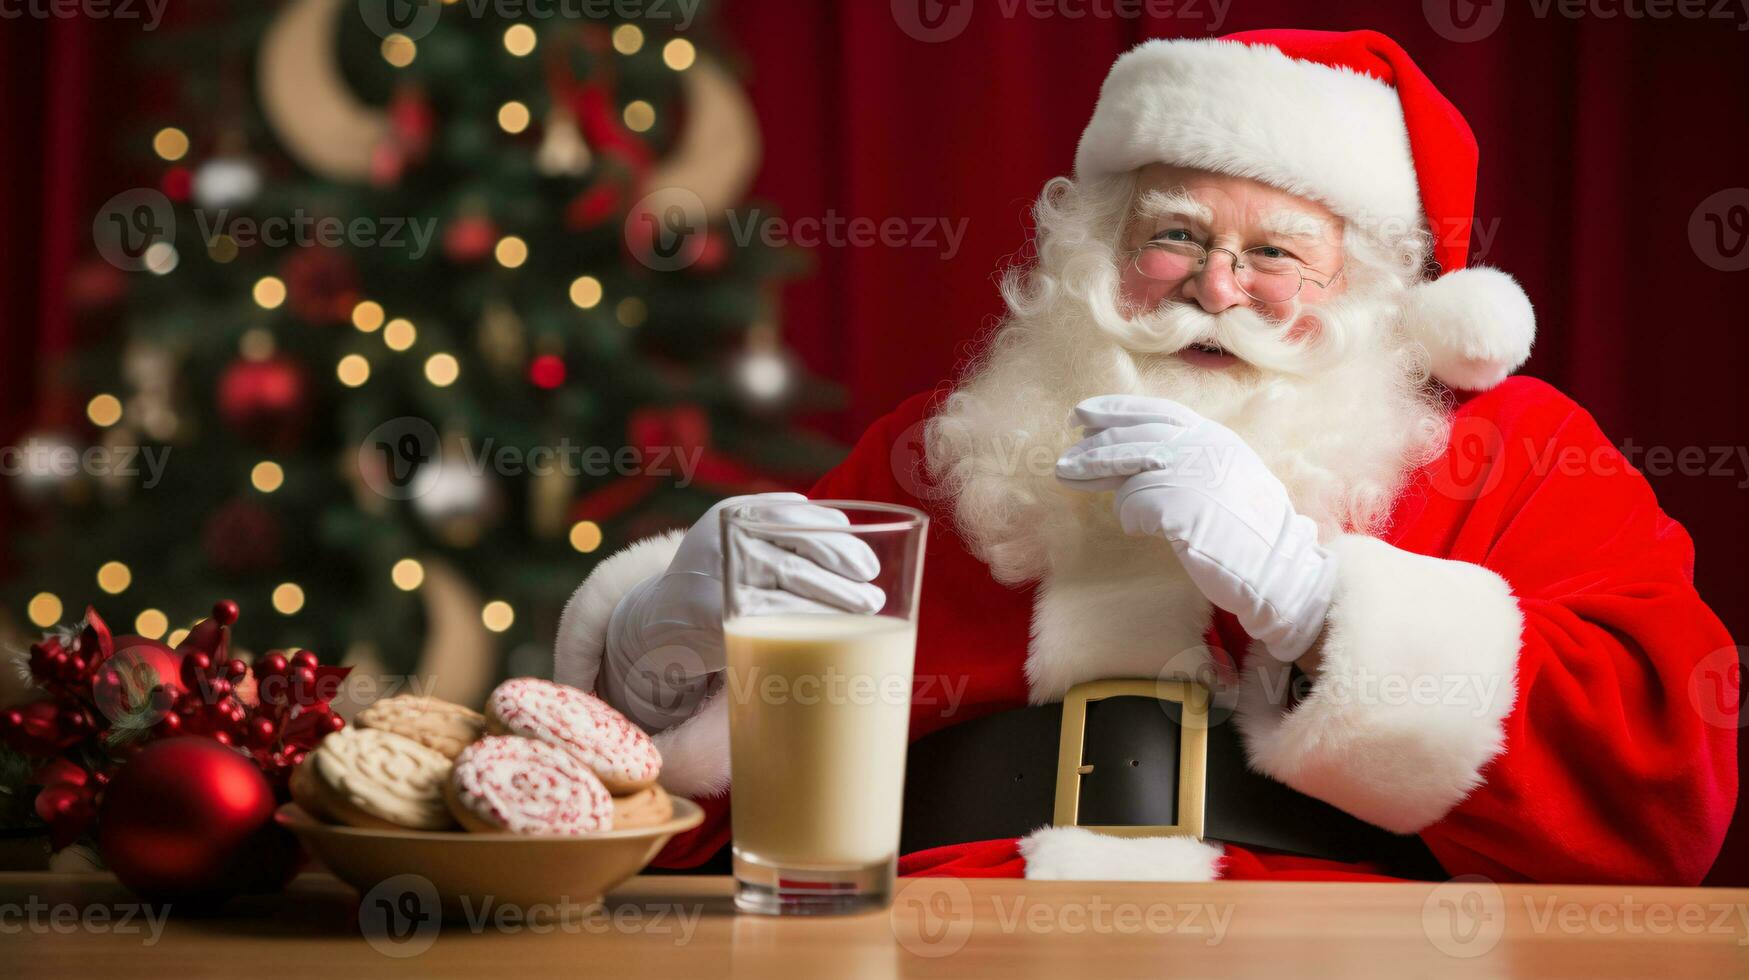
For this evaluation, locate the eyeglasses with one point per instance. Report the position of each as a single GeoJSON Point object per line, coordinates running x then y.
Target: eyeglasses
{"type": "Point", "coordinates": [1264, 273]}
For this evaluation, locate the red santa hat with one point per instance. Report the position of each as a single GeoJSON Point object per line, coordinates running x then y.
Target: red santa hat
{"type": "Point", "coordinates": [1342, 118]}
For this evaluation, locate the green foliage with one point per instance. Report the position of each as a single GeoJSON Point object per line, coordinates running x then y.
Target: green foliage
{"type": "Point", "coordinates": [322, 529]}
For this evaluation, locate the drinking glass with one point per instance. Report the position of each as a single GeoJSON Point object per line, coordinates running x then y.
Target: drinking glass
{"type": "Point", "coordinates": [819, 699]}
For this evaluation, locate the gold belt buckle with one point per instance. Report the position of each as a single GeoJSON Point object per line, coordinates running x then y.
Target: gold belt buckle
{"type": "Point", "coordinates": [1193, 748]}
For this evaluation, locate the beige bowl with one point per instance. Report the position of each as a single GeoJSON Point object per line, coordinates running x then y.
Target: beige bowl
{"type": "Point", "coordinates": [508, 869]}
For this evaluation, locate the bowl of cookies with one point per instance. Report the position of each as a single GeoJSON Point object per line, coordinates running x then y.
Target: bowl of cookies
{"type": "Point", "coordinates": [549, 795]}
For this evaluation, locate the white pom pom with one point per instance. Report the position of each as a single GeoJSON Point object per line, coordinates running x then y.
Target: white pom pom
{"type": "Point", "coordinates": [1477, 325]}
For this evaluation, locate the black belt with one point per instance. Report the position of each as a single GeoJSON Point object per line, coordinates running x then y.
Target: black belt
{"type": "Point", "coordinates": [1119, 757]}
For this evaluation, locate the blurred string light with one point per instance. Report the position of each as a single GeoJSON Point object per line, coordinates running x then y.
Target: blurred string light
{"type": "Point", "coordinates": [640, 116]}
{"type": "Point", "coordinates": [408, 574]}
{"type": "Point", "coordinates": [628, 39]}
{"type": "Point", "coordinates": [44, 609]}
{"type": "Point", "coordinates": [267, 476]}
{"type": "Point", "coordinates": [269, 292]}
{"type": "Point", "coordinates": [222, 249]}
{"type": "Point", "coordinates": [498, 616]}
{"type": "Point", "coordinates": [151, 623]}
{"type": "Point", "coordinates": [367, 316]}
{"type": "Point", "coordinates": [399, 50]}
{"type": "Point", "coordinates": [170, 144]}
{"type": "Point", "coordinates": [631, 312]}
{"type": "Point", "coordinates": [585, 536]}
{"type": "Point", "coordinates": [161, 258]}
{"type": "Point", "coordinates": [679, 54]}
{"type": "Point", "coordinates": [114, 577]}
{"type": "Point", "coordinates": [288, 598]}
{"type": "Point", "coordinates": [104, 410]}
{"type": "Point", "coordinates": [256, 344]}
{"type": "Point", "coordinates": [513, 117]}
{"type": "Point", "coordinates": [586, 292]}
{"type": "Point", "coordinates": [511, 252]}
{"type": "Point", "coordinates": [442, 369]}
{"type": "Point", "coordinates": [353, 370]}
{"type": "Point", "coordinates": [519, 40]}
{"type": "Point", "coordinates": [400, 334]}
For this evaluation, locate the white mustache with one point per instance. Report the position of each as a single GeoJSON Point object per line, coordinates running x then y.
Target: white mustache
{"type": "Point", "coordinates": [1241, 331]}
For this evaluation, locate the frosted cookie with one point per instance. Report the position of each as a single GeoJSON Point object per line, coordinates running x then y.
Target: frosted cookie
{"type": "Point", "coordinates": [645, 808]}
{"type": "Point", "coordinates": [523, 786]}
{"type": "Point", "coordinates": [432, 722]}
{"type": "Point", "coordinates": [366, 777]}
{"type": "Point", "coordinates": [617, 751]}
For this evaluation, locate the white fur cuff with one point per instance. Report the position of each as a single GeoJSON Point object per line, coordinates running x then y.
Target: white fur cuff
{"type": "Point", "coordinates": [1418, 674]}
{"type": "Point", "coordinates": [582, 636]}
{"type": "Point", "coordinates": [695, 753]}
{"type": "Point", "coordinates": [1078, 854]}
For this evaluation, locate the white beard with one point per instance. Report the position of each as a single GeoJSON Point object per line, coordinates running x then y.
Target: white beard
{"type": "Point", "coordinates": [1342, 422]}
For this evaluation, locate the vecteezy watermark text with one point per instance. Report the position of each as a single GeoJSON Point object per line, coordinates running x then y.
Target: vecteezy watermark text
{"type": "Point", "coordinates": [50, 459]}
{"type": "Point", "coordinates": [41, 918]}
{"type": "Point", "coordinates": [305, 230]}
{"type": "Point", "coordinates": [150, 12]}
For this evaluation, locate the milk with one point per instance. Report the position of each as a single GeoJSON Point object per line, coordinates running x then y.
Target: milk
{"type": "Point", "coordinates": [819, 710]}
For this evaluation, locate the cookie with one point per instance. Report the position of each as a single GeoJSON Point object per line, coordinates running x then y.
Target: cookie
{"type": "Point", "coordinates": [366, 777]}
{"type": "Point", "coordinates": [617, 751]}
{"type": "Point", "coordinates": [645, 808]}
{"type": "Point", "coordinates": [524, 786]}
{"type": "Point", "coordinates": [432, 722]}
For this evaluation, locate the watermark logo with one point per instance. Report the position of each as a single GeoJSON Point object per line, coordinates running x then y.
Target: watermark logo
{"type": "Point", "coordinates": [412, 19]}
{"type": "Point", "coordinates": [1715, 687]}
{"type": "Point", "coordinates": [392, 458]}
{"type": "Point", "coordinates": [401, 916]}
{"type": "Point", "coordinates": [932, 917]}
{"type": "Point", "coordinates": [665, 230]}
{"type": "Point", "coordinates": [932, 21]}
{"type": "Point", "coordinates": [1718, 230]}
{"type": "Point", "coordinates": [1462, 21]}
{"type": "Point", "coordinates": [1464, 917]}
{"type": "Point", "coordinates": [134, 229]}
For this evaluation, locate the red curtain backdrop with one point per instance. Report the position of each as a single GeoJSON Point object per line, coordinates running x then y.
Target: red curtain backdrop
{"type": "Point", "coordinates": [1602, 138]}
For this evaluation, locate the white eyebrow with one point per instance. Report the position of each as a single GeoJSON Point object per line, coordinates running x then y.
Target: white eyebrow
{"type": "Point", "coordinates": [1174, 203]}
{"type": "Point", "coordinates": [1294, 224]}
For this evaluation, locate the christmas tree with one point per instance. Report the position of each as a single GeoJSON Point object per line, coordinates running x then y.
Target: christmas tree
{"type": "Point", "coordinates": [425, 309]}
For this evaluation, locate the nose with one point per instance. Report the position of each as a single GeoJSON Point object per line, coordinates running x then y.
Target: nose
{"type": "Point", "coordinates": [1215, 287]}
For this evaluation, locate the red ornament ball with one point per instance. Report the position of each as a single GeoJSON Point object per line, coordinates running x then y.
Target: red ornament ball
{"type": "Point", "coordinates": [547, 371]}
{"type": "Point", "coordinates": [469, 238]}
{"type": "Point", "coordinates": [188, 819]}
{"type": "Point", "coordinates": [139, 683]}
{"type": "Point", "coordinates": [265, 401]}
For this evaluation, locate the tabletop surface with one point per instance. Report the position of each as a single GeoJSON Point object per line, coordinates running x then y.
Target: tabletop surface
{"type": "Point", "coordinates": [57, 925]}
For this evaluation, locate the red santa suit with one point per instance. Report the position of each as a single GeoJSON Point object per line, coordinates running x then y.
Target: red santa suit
{"type": "Point", "coordinates": [1581, 726]}
{"type": "Point", "coordinates": [1532, 552]}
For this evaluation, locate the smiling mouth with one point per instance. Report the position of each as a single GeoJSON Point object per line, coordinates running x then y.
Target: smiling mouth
{"type": "Point", "coordinates": [1204, 347]}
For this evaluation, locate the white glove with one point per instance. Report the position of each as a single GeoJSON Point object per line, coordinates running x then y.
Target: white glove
{"type": "Point", "coordinates": [665, 637]}
{"type": "Point", "coordinates": [1195, 483]}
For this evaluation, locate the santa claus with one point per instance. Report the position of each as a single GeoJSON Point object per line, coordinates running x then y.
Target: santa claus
{"type": "Point", "coordinates": [1247, 430]}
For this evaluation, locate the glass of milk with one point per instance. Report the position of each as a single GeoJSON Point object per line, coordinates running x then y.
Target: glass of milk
{"type": "Point", "coordinates": [819, 698]}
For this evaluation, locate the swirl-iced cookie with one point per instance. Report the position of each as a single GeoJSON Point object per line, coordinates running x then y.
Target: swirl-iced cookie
{"type": "Point", "coordinates": [617, 751]}
{"type": "Point", "coordinates": [432, 722]}
{"type": "Point", "coordinates": [367, 777]}
{"type": "Point", "coordinates": [524, 786]}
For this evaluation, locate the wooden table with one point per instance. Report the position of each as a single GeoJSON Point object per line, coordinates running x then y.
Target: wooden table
{"type": "Point", "coordinates": [87, 926]}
